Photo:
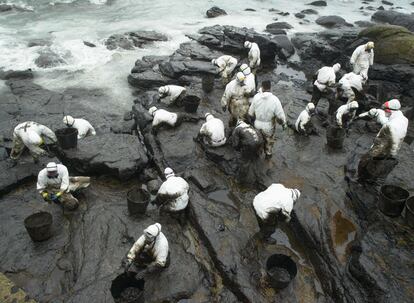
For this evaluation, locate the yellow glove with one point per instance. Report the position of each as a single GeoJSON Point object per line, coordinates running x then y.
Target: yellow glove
{"type": "Point", "coordinates": [41, 141]}
{"type": "Point", "coordinates": [59, 194]}
{"type": "Point", "coordinates": [45, 195]}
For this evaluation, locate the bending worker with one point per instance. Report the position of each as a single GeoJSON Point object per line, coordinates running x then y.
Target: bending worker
{"type": "Point", "coordinates": [171, 94]}
{"type": "Point", "coordinates": [303, 124]}
{"type": "Point", "coordinates": [162, 117]}
{"type": "Point", "coordinates": [346, 114]}
{"type": "Point", "coordinates": [83, 126]}
{"type": "Point", "coordinates": [225, 65]}
{"type": "Point", "coordinates": [362, 58]}
{"type": "Point", "coordinates": [212, 131]}
{"type": "Point", "coordinates": [266, 109]}
{"type": "Point", "coordinates": [254, 55]}
{"type": "Point", "coordinates": [55, 185]}
{"type": "Point", "coordinates": [31, 135]}
{"type": "Point", "coordinates": [272, 205]}
{"type": "Point", "coordinates": [324, 81]}
{"type": "Point", "coordinates": [235, 98]}
{"type": "Point", "coordinates": [149, 254]}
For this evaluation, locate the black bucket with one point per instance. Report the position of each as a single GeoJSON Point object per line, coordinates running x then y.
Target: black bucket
{"type": "Point", "coordinates": [67, 137]}
{"type": "Point", "coordinates": [39, 226]}
{"type": "Point", "coordinates": [126, 289]}
{"type": "Point", "coordinates": [335, 137]}
{"type": "Point", "coordinates": [191, 103]}
{"type": "Point", "coordinates": [207, 83]}
{"type": "Point", "coordinates": [380, 168]}
{"type": "Point", "coordinates": [409, 212]}
{"type": "Point", "coordinates": [281, 270]}
{"type": "Point", "coordinates": [138, 200]}
{"type": "Point", "coordinates": [392, 200]}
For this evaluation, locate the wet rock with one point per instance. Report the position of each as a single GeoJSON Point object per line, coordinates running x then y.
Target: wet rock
{"type": "Point", "coordinates": [395, 18]}
{"type": "Point", "coordinates": [318, 3]}
{"type": "Point", "coordinates": [119, 155]}
{"type": "Point", "coordinates": [215, 12]}
{"type": "Point", "coordinates": [364, 23]}
{"type": "Point", "coordinates": [47, 58]}
{"type": "Point", "coordinates": [300, 15]}
{"type": "Point", "coordinates": [196, 51]}
{"type": "Point", "coordinates": [332, 21]}
{"type": "Point", "coordinates": [4, 7]}
{"type": "Point", "coordinates": [276, 26]}
{"type": "Point", "coordinates": [279, 12]}
{"type": "Point", "coordinates": [309, 11]}
{"type": "Point", "coordinates": [38, 42]}
{"type": "Point", "coordinates": [131, 40]}
{"type": "Point", "coordinates": [250, 10]}
{"type": "Point", "coordinates": [175, 69]}
{"type": "Point", "coordinates": [381, 8]}
{"type": "Point", "coordinates": [387, 2]}
{"type": "Point", "coordinates": [89, 44]}
{"type": "Point", "coordinates": [124, 127]}
{"type": "Point", "coordinates": [24, 74]}
{"type": "Point", "coordinates": [149, 79]}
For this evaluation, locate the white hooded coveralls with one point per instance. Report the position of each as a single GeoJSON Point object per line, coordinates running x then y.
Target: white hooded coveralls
{"type": "Point", "coordinates": [213, 128]}
{"type": "Point", "coordinates": [303, 119]}
{"type": "Point", "coordinates": [361, 60]}
{"type": "Point", "coordinates": [61, 182]}
{"type": "Point", "coordinates": [379, 115]}
{"type": "Point", "coordinates": [254, 56]}
{"type": "Point", "coordinates": [349, 81]}
{"type": "Point", "coordinates": [162, 116]}
{"type": "Point", "coordinates": [326, 77]}
{"type": "Point", "coordinates": [173, 92]}
{"type": "Point", "coordinates": [158, 249]}
{"type": "Point", "coordinates": [267, 108]}
{"type": "Point", "coordinates": [275, 198]}
{"type": "Point", "coordinates": [84, 128]}
{"type": "Point", "coordinates": [175, 186]}
{"type": "Point", "coordinates": [226, 65]}
{"type": "Point", "coordinates": [30, 135]}
{"type": "Point", "coordinates": [344, 110]}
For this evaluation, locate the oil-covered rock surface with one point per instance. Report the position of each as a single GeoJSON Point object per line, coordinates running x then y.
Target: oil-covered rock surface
{"type": "Point", "coordinates": [345, 249]}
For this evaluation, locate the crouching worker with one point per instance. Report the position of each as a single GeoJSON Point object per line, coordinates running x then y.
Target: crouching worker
{"type": "Point", "coordinates": [303, 124]}
{"type": "Point", "coordinates": [212, 132]}
{"type": "Point", "coordinates": [272, 205]}
{"type": "Point", "coordinates": [162, 117]}
{"type": "Point", "coordinates": [83, 126]}
{"type": "Point", "coordinates": [55, 185]}
{"type": "Point", "coordinates": [149, 254]}
{"type": "Point", "coordinates": [31, 135]}
{"type": "Point", "coordinates": [172, 196]}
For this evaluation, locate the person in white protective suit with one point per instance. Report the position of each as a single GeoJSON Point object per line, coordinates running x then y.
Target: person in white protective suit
{"type": "Point", "coordinates": [149, 254]}
{"type": "Point", "coordinates": [388, 140]}
{"type": "Point", "coordinates": [212, 131]}
{"type": "Point", "coordinates": [346, 114]}
{"type": "Point", "coordinates": [351, 87]}
{"type": "Point", "coordinates": [171, 94]}
{"type": "Point", "coordinates": [250, 80]}
{"type": "Point", "coordinates": [31, 135]}
{"type": "Point", "coordinates": [235, 98]}
{"type": "Point", "coordinates": [254, 55]}
{"type": "Point", "coordinates": [273, 204]}
{"type": "Point", "coordinates": [83, 126]}
{"type": "Point", "coordinates": [303, 124]}
{"type": "Point", "coordinates": [266, 109]}
{"type": "Point", "coordinates": [162, 117]}
{"type": "Point", "coordinates": [376, 114]}
{"type": "Point", "coordinates": [173, 195]}
{"type": "Point", "coordinates": [55, 185]}
{"type": "Point", "coordinates": [225, 66]}
{"type": "Point", "coordinates": [362, 58]}
{"type": "Point", "coordinates": [324, 81]}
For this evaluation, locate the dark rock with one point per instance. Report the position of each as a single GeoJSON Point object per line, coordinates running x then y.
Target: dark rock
{"type": "Point", "coordinates": [277, 26]}
{"type": "Point", "coordinates": [250, 10]}
{"type": "Point", "coordinates": [4, 7]}
{"type": "Point", "coordinates": [318, 3]}
{"type": "Point", "coordinates": [119, 155]}
{"type": "Point", "coordinates": [24, 74]}
{"type": "Point", "coordinates": [123, 127]}
{"type": "Point", "coordinates": [381, 8]}
{"type": "Point", "coordinates": [47, 58]}
{"type": "Point", "coordinates": [131, 40]}
{"type": "Point", "coordinates": [395, 18]}
{"type": "Point", "coordinates": [39, 42]}
{"type": "Point", "coordinates": [215, 12]}
{"type": "Point", "coordinates": [309, 11]}
{"type": "Point", "coordinates": [364, 23]}
{"type": "Point", "coordinates": [300, 15]}
{"type": "Point", "coordinates": [89, 44]}
{"type": "Point", "coordinates": [279, 12]}
{"type": "Point", "coordinates": [175, 69]}
{"type": "Point", "coordinates": [151, 79]}
{"type": "Point", "coordinates": [196, 51]}
{"type": "Point", "coordinates": [332, 21]}
{"type": "Point", "coordinates": [279, 32]}
{"type": "Point", "coordinates": [387, 2]}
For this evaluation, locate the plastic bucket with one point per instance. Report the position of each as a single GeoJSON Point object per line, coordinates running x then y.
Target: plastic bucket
{"type": "Point", "coordinates": [138, 200]}
{"type": "Point", "coordinates": [380, 168]}
{"type": "Point", "coordinates": [126, 289]}
{"type": "Point", "coordinates": [39, 226]}
{"type": "Point", "coordinates": [392, 200]}
{"type": "Point", "coordinates": [335, 137]}
{"type": "Point", "coordinates": [409, 212]}
{"type": "Point", "coordinates": [281, 270]}
{"type": "Point", "coordinates": [67, 137]}
{"type": "Point", "coordinates": [191, 103]}
{"type": "Point", "coordinates": [207, 83]}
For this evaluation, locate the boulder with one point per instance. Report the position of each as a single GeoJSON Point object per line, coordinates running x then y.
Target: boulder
{"type": "Point", "coordinates": [119, 155]}
{"type": "Point", "coordinates": [38, 42]}
{"type": "Point", "coordinates": [4, 7]}
{"type": "Point", "coordinates": [393, 44]}
{"type": "Point", "coordinates": [131, 40]}
{"type": "Point", "coordinates": [89, 44]}
{"type": "Point", "coordinates": [300, 15]}
{"type": "Point", "coordinates": [175, 69]}
{"type": "Point", "coordinates": [364, 23]}
{"type": "Point", "coordinates": [150, 79]}
{"type": "Point", "coordinates": [250, 10]}
{"type": "Point", "coordinates": [332, 21]}
{"type": "Point", "coordinates": [309, 11]}
{"type": "Point", "coordinates": [318, 3]}
{"type": "Point", "coordinates": [276, 26]}
{"type": "Point", "coordinates": [47, 58]}
{"type": "Point", "coordinates": [387, 2]}
{"type": "Point", "coordinates": [394, 18]}
{"type": "Point", "coordinates": [215, 12]}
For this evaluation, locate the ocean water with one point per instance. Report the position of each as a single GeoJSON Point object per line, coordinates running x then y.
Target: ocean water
{"type": "Point", "coordinates": [67, 23]}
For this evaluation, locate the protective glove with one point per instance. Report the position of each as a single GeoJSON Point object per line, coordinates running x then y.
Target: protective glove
{"type": "Point", "coordinates": [126, 263]}
{"type": "Point", "coordinates": [46, 196]}
{"type": "Point", "coordinates": [284, 126]}
{"type": "Point", "coordinates": [59, 194]}
{"type": "Point", "coordinates": [224, 108]}
{"type": "Point", "coordinates": [54, 198]}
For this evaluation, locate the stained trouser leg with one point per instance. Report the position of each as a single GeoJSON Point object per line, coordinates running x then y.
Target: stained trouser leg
{"type": "Point", "coordinates": [316, 95]}
{"type": "Point", "coordinates": [17, 149]}
{"type": "Point", "coordinates": [269, 141]}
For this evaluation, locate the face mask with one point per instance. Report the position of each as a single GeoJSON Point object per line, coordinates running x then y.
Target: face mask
{"type": "Point", "coordinates": [52, 176]}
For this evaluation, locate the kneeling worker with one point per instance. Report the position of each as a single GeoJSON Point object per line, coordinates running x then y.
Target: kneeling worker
{"type": "Point", "coordinates": [212, 132]}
